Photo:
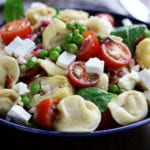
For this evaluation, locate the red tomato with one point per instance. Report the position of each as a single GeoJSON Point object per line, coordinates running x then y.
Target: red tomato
{"type": "Point", "coordinates": [107, 121]}
{"type": "Point", "coordinates": [21, 28]}
{"type": "Point", "coordinates": [107, 16]}
{"type": "Point", "coordinates": [79, 77]}
{"type": "Point", "coordinates": [45, 113]}
{"type": "Point", "coordinates": [89, 47]}
{"type": "Point", "coordinates": [114, 53]}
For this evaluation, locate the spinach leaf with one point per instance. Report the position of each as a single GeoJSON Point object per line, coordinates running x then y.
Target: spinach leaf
{"type": "Point", "coordinates": [13, 9]}
{"type": "Point", "coordinates": [98, 96]}
{"type": "Point", "coordinates": [130, 34]}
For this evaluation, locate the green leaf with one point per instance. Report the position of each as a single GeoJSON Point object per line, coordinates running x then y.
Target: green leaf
{"type": "Point", "coordinates": [13, 9]}
{"type": "Point", "coordinates": [130, 34]}
{"type": "Point", "coordinates": [98, 96]}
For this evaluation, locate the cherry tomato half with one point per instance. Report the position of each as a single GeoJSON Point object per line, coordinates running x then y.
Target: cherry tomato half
{"type": "Point", "coordinates": [107, 16]}
{"type": "Point", "coordinates": [90, 46]}
{"type": "Point", "coordinates": [45, 113]}
{"type": "Point", "coordinates": [114, 53]}
{"type": "Point", "coordinates": [79, 77]}
{"type": "Point", "coordinates": [9, 31]}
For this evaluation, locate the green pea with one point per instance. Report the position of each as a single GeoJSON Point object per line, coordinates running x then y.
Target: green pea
{"type": "Point", "coordinates": [25, 99]}
{"type": "Point", "coordinates": [70, 25]}
{"type": "Point", "coordinates": [23, 68]}
{"type": "Point", "coordinates": [100, 36]}
{"type": "Point", "coordinates": [121, 90]}
{"type": "Point", "coordinates": [53, 55]}
{"type": "Point", "coordinates": [72, 48]}
{"type": "Point", "coordinates": [82, 29]}
{"type": "Point", "coordinates": [64, 46]}
{"type": "Point", "coordinates": [43, 53]}
{"type": "Point", "coordinates": [57, 48]}
{"type": "Point", "coordinates": [68, 37]}
{"type": "Point", "coordinates": [78, 38]}
{"type": "Point", "coordinates": [78, 24]}
{"type": "Point", "coordinates": [147, 33]}
{"type": "Point", "coordinates": [113, 88]}
{"type": "Point", "coordinates": [35, 88]}
{"type": "Point", "coordinates": [32, 62]}
{"type": "Point", "coordinates": [76, 31]}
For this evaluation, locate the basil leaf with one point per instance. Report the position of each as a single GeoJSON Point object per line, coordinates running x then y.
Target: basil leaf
{"type": "Point", "coordinates": [130, 34]}
{"type": "Point", "coordinates": [13, 9]}
{"type": "Point", "coordinates": [98, 96]}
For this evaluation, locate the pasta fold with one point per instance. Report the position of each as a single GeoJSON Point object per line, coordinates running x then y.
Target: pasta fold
{"type": "Point", "coordinates": [77, 115]}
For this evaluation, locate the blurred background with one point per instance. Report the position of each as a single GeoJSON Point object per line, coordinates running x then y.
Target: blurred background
{"type": "Point", "coordinates": [110, 5]}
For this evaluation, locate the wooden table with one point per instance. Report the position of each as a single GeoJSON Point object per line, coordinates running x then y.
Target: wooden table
{"type": "Point", "coordinates": [135, 139]}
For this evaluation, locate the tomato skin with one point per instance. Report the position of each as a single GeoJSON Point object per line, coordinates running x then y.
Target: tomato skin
{"type": "Point", "coordinates": [115, 53]}
{"type": "Point", "coordinates": [45, 114]}
{"type": "Point", "coordinates": [79, 77]}
{"type": "Point", "coordinates": [90, 46]}
{"type": "Point", "coordinates": [107, 16]}
{"type": "Point", "coordinates": [9, 31]}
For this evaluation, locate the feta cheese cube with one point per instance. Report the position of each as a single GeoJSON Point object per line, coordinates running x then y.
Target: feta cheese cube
{"type": "Point", "coordinates": [65, 59]}
{"type": "Point", "coordinates": [18, 114]}
{"type": "Point", "coordinates": [94, 65]}
{"type": "Point", "coordinates": [129, 80]}
{"type": "Point", "coordinates": [144, 76]}
{"type": "Point", "coordinates": [21, 88]}
{"type": "Point", "coordinates": [19, 47]}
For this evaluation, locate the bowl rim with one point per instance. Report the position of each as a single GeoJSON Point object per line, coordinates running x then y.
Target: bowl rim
{"type": "Point", "coordinates": [74, 134]}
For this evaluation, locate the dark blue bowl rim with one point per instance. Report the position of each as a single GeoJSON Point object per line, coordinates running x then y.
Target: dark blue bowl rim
{"type": "Point", "coordinates": [87, 134]}
{"type": "Point", "coordinates": [68, 134]}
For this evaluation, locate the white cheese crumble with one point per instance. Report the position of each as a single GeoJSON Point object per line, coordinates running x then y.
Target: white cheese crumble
{"type": "Point", "coordinates": [19, 47]}
{"type": "Point", "coordinates": [65, 59]}
{"type": "Point", "coordinates": [94, 65]}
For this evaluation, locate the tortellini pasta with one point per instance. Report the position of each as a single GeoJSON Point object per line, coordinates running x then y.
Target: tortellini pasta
{"type": "Point", "coordinates": [54, 33]}
{"type": "Point", "coordinates": [8, 97]}
{"type": "Point", "coordinates": [98, 25]}
{"type": "Point", "coordinates": [103, 81]}
{"type": "Point", "coordinates": [51, 68]}
{"type": "Point", "coordinates": [73, 15]}
{"type": "Point", "coordinates": [128, 107]}
{"type": "Point", "coordinates": [77, 115]}
{"type": "Point", "coordinates": [59, 87]}
{"type": "Point", "coordinates": [40, 13]}
{"type": "Point", "coordinates": [8, 68]}
{"type": "Point", "coordinates": [142, 53]}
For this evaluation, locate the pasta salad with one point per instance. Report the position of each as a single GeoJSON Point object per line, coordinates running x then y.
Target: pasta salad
{"type": "Point", "coordinates": [69, 71]}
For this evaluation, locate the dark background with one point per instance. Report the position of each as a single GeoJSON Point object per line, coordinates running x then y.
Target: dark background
{"type": "Point", "coordinates": [134, 139]}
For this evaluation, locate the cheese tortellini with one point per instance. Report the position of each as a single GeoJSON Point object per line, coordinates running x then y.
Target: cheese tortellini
{"type": "Point", "coordinates": [8, 97]}
{"type": "Point", "coordinates": [98, 25]}
{"type": "Point", "coordinates": [142, 53]}
{"type": "Point", "coordinates": [39, 13]}
{"type": "Point", "coordinates": [51, 68]}
{"type": "Point", "coordinates": [54, 33]}
{"type": "Point", "coordinates": [58, 87]}
{"type": "Point", "coordinates": [103, 81]}
{"type": "Point", "coordinates": [8, 68]}
{"type": "Point", "coordinates": [73, 15]}
{"type": "Point", "coordinates": [77, 115]}
{"type": "Point", "coordinates": [128, 107]}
